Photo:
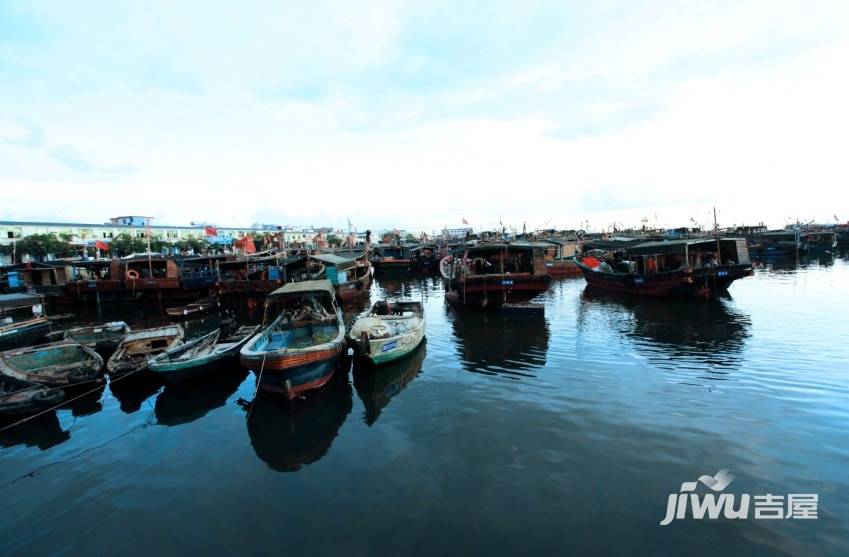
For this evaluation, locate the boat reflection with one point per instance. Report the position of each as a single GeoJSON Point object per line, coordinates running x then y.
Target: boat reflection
{"type": "Point", "coordinates": [289, 435]}
{"type": "Point", "coordinates": [496, 343]}
{"type": "Point", "coordinates": [377, 385]}
{"type": "Point", "coordinates": [43, 431]}
{"type": "Point", "coordinates": [131, 391]}
{"type": "Point", "coordinates": [87, 404]}
{"type": "Point", "coordinates": [181, 404]}
{"type": "Point", "coordinates": [670, 333]}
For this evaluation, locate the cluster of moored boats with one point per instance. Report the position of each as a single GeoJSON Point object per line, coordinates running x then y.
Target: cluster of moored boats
{"type": "Point", "coordinates": [302, 335]}
{"type": "Point", "coordinates": [295, 349]}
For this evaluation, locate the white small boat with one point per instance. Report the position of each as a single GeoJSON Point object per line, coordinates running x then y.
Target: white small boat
{"type": "Point", "coordinates": [138, 347]}
{"type": "Point", "coordinates": [391, 330]}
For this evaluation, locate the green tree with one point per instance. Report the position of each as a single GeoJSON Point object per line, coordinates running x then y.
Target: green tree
{"type": "Point", "coordinates": [198, 245]}
{"type": "Point", "coordinates": [334, 241]}
{"type": "Point", "coordinates": [39, 246]}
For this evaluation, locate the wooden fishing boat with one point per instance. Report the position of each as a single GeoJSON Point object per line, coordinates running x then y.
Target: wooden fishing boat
{"type": "Point", "coordinates": [777, 243]}
{"type": "Point", "coordinates": [701, 268]}
{"type": "Point", "coordinates": [298, 351]}
{"type": "Point", "coordinates": [493, 273]}
{"type": "Point", "coordinates": [819, 241]}
{"type": "Point", "coordinates": [58, 364]}
{"type": "Point", "coordinates": [104, 337]}
{"type": "Point", "coordinates": [351, 277]}
{"type": "Point", "coordinates": [25, 397]}
{"type": "Point", "coordinates": [391, 330]}
{"type": "Point", "coordinates": [195, 308]}
{"type": "Point", "coordinates": [136, 348]}
{"type": "Point", "coordinates": [559, 258]}
{"type": "Point", "coordinates": [424, 259]}
{"type": "Point", "coordinates": [391, 258]}
{"type": "Point", "coordinates": [22, 320]}
{"type": "Point", "coordinates": [196, 357]}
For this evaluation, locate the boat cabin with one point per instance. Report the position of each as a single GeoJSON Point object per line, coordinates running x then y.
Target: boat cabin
{"type": "Point", "coordinates": [47, 278]}
{"type": "Point", "coordinates": [154, 273]}
{"type": "Point", "coordinates": [200, 271]}
{"type": "Point", "coordinates": [646, 258]}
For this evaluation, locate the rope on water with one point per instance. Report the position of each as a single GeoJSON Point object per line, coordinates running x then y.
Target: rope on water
{"type": "Point", "coordinates": [64, 402]}
{"type": "Point", "coordinates": [258, 383]}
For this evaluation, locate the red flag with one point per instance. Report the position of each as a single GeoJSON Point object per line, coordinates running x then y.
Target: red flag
{"type": "Point", "coordinates": [210, 231]}
{"type": "Point", "coordinates": [465, 221]}
{"type": "Point", "coordinates": [101, 245]}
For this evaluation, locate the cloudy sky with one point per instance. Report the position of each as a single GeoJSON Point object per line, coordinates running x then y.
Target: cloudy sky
{"type": "Point", "coordinates": [418, 114]}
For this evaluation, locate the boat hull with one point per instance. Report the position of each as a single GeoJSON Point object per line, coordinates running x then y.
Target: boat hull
{"type": "Point", "coordinates": [392, 265]}
{"type": "Point", "coordinates": [23, 335]}
{"type": "Point", "coordinates": [187, 372]}
{"type": "Point", "coordinates": [697, 283]}
{"type": "Point", "coordinates": [283, 376]}
{"type": "Point", "coordinates": [560, 268]}
{"type": "Point", "coordinates": [495, 290]}
{"type": "Point", "coordinates": [351, 290]}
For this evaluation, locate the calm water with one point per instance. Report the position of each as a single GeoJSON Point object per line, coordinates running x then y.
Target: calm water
{"type": "Point", "coordinates": [503, 434]}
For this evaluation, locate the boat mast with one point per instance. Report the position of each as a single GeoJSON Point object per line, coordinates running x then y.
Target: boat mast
{"type": "Point", "coordinates": [716, 235]}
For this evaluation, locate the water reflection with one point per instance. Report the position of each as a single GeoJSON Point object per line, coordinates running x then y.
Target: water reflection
{"type": "Point", "coordinates": [87, 404]}
{"type": "Point", "coordinates": [181, 404]}
{"type": "Point", "coordinates": [377, 385]}
{"type": "Point", "coordinates": [672, 333]}
{"type": "Point", "coordinates": [513, 345]}
{"type": "Point", "coordinates": [288, 435]}
{"type": "Point", "coordinates": [132, 390]}
{"type": "Point", "coordinates": [43, 431]}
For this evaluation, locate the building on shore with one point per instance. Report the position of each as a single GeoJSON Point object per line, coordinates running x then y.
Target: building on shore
{"type": "Point", "coordinates": [137, 226]}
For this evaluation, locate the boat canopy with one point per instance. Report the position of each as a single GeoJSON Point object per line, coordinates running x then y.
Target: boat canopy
{"type": "Point", "coordinates": [335, 260]}
{"type": "Point", "coordinates": [304, 287]}
{"type": "Point", "coordinates": [612, 244]}
{"type": "Point", "coordinates": [676, 246]}
{"type": "Point", "coordinates": [12, 301]}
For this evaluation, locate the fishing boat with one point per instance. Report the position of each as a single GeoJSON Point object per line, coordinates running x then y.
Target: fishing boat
{"type": "Point", "coordinates": [424, 259]}
{"type": "Point", "coordinates": [777, 243]}
{"type": "Point", "coordinates": [559, 258]}
{"type": "Point", "coordinates": [696, 268]}
{"type": "Point", "coordinates": [138, 347]}
{"type": "Point", "coordinates": [103, 337]}
{"type": "Point", "coordinates": [391, 258]}
{"type": "Point", "coordinates": [493, 273]}
{"type": "Point", "coordinates": [58, 364]}
{"type": "Point", "coordinates": [195, 308]}
{"type": "Point", "coordinates": [196, 357]}
{"type": "Point", "coordinates": [299, 349]}
{"type": "Point", "coordinates": [818, 241]}
{"type": "Point", "coordinates": [389, 331]}
{"type": "Point", "coordinates": [25, 397]}
{"type": "Point", "coordinates": [351, 277]}
{"type": "Point", "coordinates": [22, 320]}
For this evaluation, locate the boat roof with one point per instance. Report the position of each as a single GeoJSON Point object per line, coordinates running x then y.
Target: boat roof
{"type": "Point", "coordinates": [18, 300]}
{"type": "Point", "coordinates": [333, 259]}
{"type": "Point", "coordinates": [672, 246]}
{"type": "Point", "coordinates": [303, 287]}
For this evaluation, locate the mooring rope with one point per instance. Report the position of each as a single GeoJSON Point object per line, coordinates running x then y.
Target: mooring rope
{"type": "Point", "coordinates": [258, 383]}
{"type": "Point", "coordinates": [64, 402]}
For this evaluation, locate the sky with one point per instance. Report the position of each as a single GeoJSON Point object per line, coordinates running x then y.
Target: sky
{"type": "Point", "coordinates": [416, 115]}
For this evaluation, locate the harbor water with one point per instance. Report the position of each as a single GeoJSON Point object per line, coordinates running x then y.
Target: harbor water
{"type": "Point", "coordinates": [562, 432]}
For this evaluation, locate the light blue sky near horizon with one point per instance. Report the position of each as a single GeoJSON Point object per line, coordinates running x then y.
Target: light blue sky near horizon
{"type": "Point", "coordinates": [416, 115]}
